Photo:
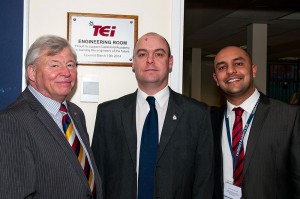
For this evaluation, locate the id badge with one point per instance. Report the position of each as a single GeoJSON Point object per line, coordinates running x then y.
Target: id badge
{"type": "Point", "coordinates": [231, 191]}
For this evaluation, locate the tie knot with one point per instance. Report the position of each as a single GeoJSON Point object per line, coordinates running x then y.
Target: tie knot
{"type": "Point", "coordinates": [238, 111]}
{"type": "Point", "coordinates": [151, 100]}
{"type": "Point", "coordinates": [63, 108]}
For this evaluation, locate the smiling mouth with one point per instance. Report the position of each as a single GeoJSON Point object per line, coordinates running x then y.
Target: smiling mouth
{"type": "Point", "coordinates": [233, 80]}
{"type": "Point", "coordinates": [64, 83]}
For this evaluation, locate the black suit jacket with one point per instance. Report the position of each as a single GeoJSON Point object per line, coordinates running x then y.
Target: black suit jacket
{"type": "Point", "coordinates": [184, 166]}
{"type": "Point", "coordinates": [36, 160]}
{"type": "Point", "coordinates": [272, 159]}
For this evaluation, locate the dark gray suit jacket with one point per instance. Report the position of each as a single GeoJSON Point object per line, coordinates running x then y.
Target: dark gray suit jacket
{"type": "Point", "coordinates": [36, 160]}
{"type": "Point", "coordinates": [184, 167]}
{"type": "Point", "coordinates": [272, 159]}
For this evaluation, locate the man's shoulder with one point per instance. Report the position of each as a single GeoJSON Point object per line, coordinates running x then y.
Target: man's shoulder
{"type": "Point", "coordinates": [275, 103]}
{"type": "Point", "coordinates": [20, 105]}
{"type": "Point", "coordinates": [277, 108]}
{"type": "Point", "coordinates": [119, 102]}
{"type": "Point", "coordinates": [19, 112]}
{"type": "Point", "coordinates": [183, 100]}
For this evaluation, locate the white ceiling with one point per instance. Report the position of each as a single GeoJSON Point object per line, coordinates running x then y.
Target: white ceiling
{"type": "Point", "coordinates": [212, 27]}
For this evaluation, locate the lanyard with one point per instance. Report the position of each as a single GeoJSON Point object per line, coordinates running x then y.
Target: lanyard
{"type": "Point", "coordinates": [243, 135]}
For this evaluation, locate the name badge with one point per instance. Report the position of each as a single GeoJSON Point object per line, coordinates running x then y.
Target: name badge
{"type": "Point", "coordinates": [231, 191]}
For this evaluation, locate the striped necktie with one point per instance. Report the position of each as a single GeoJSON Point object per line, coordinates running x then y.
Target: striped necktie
{"type": "Point", "coordinates": [237, 132]}
{"type": "Point", "coordinates": [78, 148]}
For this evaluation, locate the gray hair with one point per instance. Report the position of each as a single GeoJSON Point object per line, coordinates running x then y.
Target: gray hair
{"type": "Point", "coordinates": [54, 44]}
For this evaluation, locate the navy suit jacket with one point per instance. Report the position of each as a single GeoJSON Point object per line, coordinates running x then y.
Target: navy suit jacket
{"type": "Point", "coordinates": [184, 167]}
{"type": "Point", "coordinates": [272, 159]}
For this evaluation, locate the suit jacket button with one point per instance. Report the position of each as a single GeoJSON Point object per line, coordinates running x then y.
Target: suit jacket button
{"type": "Point", "coordinates": [89, 195]}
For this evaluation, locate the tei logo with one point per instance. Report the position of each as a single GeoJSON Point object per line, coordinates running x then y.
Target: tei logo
{"type": "Point", "coordinates": [105, 31]}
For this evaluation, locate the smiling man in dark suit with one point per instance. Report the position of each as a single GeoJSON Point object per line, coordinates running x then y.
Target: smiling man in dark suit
{"type": "Point", "coordinates": [38, 129]}
{"type": "Point", "coordinates": [183, 161]}
{"type": "Point", "coordinates": [256, 155]}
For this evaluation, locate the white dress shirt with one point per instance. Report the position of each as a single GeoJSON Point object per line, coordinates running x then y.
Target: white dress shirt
{"type": "Point", "coordinates": [248, 106]}
{"type": "Point", "coordinates": [142, 109]}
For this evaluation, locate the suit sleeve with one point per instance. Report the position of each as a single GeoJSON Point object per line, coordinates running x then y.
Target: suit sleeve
{"type": "Point", "coordinates": [98, 146]}
{"type": "Point", "coordinates": [295, 155]}
{"type": "Point", "coordinates": [17, 176]}
{"type": "Point", "coordinates": [204, 163]}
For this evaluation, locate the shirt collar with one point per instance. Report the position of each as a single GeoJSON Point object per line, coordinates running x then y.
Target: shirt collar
{"type": "Point", "coordinates": [161, 97]}
{"type": "Point", "coordinates": [49, 104]}
{"type": "Point", "coordinates": [247, 105]}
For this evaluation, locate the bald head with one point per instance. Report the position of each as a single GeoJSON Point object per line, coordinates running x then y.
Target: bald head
{"type": "Point", "coordinates": [145, 38]}
{"type": "Point", "coordinates": [228, 50]}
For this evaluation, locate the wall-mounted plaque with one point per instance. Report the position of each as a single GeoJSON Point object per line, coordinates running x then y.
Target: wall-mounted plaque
{"type": "Point", "coordinates": [103, 39]}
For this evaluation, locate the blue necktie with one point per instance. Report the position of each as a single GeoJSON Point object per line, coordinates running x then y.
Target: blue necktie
{"type": "Point", "coordinates": [148, 153]}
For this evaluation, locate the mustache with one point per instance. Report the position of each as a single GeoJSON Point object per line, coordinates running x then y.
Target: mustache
{"type": "Point", "coordinates": [233, 76]}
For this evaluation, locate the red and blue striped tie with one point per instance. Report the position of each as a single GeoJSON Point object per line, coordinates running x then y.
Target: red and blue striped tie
{"type": "Point", "coordinates": [78, 148]}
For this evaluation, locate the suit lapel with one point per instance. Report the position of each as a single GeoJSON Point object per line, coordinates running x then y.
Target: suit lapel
{"type": "Point", "coordinates": [256, 130]}
{"type": "Point", "coordinates": [83, 135]}
{"type": "Point", "coordinates": [173, 116]}
{"type": "Point", "coordinates": [78, 124]}
{"type": "Point", "coordinates": [54, 130]}
{"type": "Point", "coordinates": [129, 123]}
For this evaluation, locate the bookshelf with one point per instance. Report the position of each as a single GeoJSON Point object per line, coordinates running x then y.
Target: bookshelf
{"type": "Point", "coordinates": [284, 82]}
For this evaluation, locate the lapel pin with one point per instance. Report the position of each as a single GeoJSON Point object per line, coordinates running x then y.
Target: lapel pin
{"type": "Point", "coordinates": [174, 117]}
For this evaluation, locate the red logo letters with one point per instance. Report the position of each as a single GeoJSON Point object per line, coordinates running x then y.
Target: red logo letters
{"type": "Point", "coordinates": [105, 31]}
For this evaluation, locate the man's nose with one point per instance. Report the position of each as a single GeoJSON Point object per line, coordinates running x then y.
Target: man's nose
{"type": "Point", "coordinates": [231, 69]}
{"type": "Point", "coordinates": [150, 59]}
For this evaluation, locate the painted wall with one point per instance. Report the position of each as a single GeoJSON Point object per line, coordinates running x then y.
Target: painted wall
{"type": "Point", "coordinates": [11, 47]}
{"type": "Point", "coordinates": [50, 17]}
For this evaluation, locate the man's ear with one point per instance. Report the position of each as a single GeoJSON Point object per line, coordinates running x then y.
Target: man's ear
{"type": "Point", "coordinates": [254, 70]}
{"type": "Point", "coordinates": [132, 66]}
{"type": "Point", "coordinates": [31, 72]}
{"type": "Point", "coordinates": [215, 78]}
{"type": "Point", "coordinates": [170, 63]}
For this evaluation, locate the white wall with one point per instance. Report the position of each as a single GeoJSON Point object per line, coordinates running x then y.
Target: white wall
{"type": "Point", "coordinates": [50, 17]}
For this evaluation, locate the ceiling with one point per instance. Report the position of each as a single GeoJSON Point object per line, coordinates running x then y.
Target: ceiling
{"type": "Point", "coordinates": [213, 24]}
